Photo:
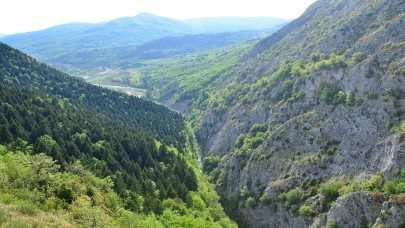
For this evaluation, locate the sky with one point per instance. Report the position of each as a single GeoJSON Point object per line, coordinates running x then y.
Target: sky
{"type": "Point", "coordinates": [18, 16]}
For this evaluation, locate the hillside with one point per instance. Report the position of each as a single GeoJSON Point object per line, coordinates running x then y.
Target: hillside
{"type": "Point", "coordinates": [129, 56]}
{"type": "Point", "coordinates": [90, 155]}
{"type": "Point", "coordinates": [315, 115]}
{"type": "Point", "coordinates": [307, 129]}
{"type": "Point", "coordinates": [70, 39]}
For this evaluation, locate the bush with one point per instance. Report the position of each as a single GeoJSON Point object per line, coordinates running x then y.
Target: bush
{"type": "Point", "coordinates": [4, 216]}
{"type": "Point", "coordinates": [402, 129]}
{"type": "Point", "coordinates": [306, 211]}
{"type": "Point", "coordinates": [328, 91]}
{"type": "Point", "coordinates": [251, 202]}
{"type": "Point", "coordinates": [375, 184]}
{"type": "Point", "coordinates": [27, 208]}
{"type": "Point", "coordinates": [265, 199]}
{"type": "Point", "coordinates": [330, 190]}
{"type": "Point", "coordinates": [292, 197]}
{"type": "Point", "coordinates": [258, 128]}
{"type": "Point", "coordinates": [210, 163]}
{"type": "Point", "coordinates": [332, 224]}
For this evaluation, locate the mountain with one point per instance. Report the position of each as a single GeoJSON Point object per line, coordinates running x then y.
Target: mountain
{"type": "Point", "coordinates": [88, 156]}
{"type": "Point", "coordinates": [128, 56]}
{"type": "Point", "coordinates": [307, 128]}
{"type": "Point", "coordinates": [71, 38]}
{"type": "Point", "coordinates": [234, 24]}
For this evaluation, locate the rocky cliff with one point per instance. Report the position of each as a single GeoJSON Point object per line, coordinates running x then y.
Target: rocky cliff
{"type": "Point", "coordinates": [311, 121]}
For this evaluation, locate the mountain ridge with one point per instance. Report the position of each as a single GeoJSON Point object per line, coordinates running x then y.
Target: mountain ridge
{"type": "Point", "coordinates": [131, 31]}
{"type": "Point", "coordinates": [312, 115]}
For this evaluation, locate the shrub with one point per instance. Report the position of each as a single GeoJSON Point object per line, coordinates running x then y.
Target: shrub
{"type": "Point", "coordinates": [357, 57]}
{"type": "Point", "coordinates": [402, 129]}
{"type": "Point", "coordinates": [330, 190]}
{"type": "Point", "coordinates": [27, 208]}
{"type": "Point", "coordinates": [292, 197]}
{"type": "Point", "coordinates": [258, 128]}
{"type": "Point", "coordinates": [375, 183]}
{"type": "Point", "coordinates": [340, 98]}
{"type": "Point", "coordinates": [251, 202]}
{"type": "Point", "coordinates": [306, 211]}
{"type": "Point", "coordinates": [210, 163]}
{"type": "Point", "coordinates": [328, 91]}
{"type": "Point", "coordinates": [332, 224]}
{"type": "Point", "coordinates": [265, 199]}
{"type": "Point", "coordinates": [4, 216]}
{"type": "Point", "coordinates": [350, 99]}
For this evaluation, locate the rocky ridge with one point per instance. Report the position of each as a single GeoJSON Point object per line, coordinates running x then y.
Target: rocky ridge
{"type": "Point", "coordinates": [328, 92]}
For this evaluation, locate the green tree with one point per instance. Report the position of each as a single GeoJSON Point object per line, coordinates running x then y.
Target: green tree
{"type": "Point", "coordinates": [306, 211]}
{"type": "Point", "coordinates": [350, 99]}
{"type": "Point", "coordinates": [330, 190]}
{"type": "Point", "coordinates": [328, 91]}
{"type": "Point", "coordinates": [339, 98]}
{"type": "Point", "coordinates": [251, 202]}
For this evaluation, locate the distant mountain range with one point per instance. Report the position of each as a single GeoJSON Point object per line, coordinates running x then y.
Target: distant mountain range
{"type": "Point", "coordinates": [233, 24]}
{"type": "Point", "coordinates": [123, 32]}
{"type": "Point", "coordinates": [156, 49]}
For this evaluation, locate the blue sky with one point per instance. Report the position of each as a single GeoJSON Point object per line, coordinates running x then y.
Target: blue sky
{"type": "Point", "coordinates": [29, 15]}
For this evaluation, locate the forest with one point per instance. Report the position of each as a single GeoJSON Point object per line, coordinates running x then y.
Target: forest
{"type": "Point", "coordinates": [141, 157]}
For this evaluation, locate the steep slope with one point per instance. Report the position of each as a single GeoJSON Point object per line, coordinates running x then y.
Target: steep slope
{"type": "Point", "coordinates": [144, 152]}
{"type": "Point", "coordinates": [309, 115]}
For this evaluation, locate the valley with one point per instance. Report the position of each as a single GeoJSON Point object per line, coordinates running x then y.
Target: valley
{"type": "Point", "coordinates": [268, 124]}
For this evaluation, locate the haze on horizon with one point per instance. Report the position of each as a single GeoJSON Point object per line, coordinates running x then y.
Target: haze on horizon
{"type": "Point", "coordinates": [20, 16]}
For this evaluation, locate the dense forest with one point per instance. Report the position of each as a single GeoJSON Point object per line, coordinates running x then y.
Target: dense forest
{"type": "Point", "coordinates": [144, 152]}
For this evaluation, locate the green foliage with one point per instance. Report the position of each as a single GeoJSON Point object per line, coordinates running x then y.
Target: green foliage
{"type": "Point", "coordinates": [402, 129]}
{"type": "Point", "coordinates": [357, 57]}
{"type": "Point", "coordinates": [246, 144]}
{"type": "Point", "coordinates": [396, 93]}
{"type": "Point", "coordinates": [332, 224]}
{"type": "Point", "coordinates": [306, 211]}
{"type": "Point", "coordinates": [329, 93]}
{"type": "Point", "coordinates": [330, 191]}
{"type": "Point", "coordinates": [292, 198]}
{"type": "Point", "coordinates": [395, 186]}
{"type": "Point", "coordinates": [265, 199]}
{"type": "Point", "coordinates": [258, 128]}
{"type": "Point", "coordinates": [69, 195]}
{"type": "Point", "coordinates": [251, 202]}
{"type": "Point", "coordinates": [340, 98]}
{"type": "Point", "coordinates": [210, 163]}
{"type": "Point", "coordinates": [350, 99]}
{"type": "Point", "coordinates": [4, 216]}
{"type": "Point", "coordinates": [373, 184]}
{"type": "Point", "coordinates": [103, 143]}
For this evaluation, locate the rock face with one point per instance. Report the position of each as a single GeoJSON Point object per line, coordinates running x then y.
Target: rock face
{"type": "Point", "coordinates": [361, 209]}
{"type": "Point", "coordinates": [329, 89]}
